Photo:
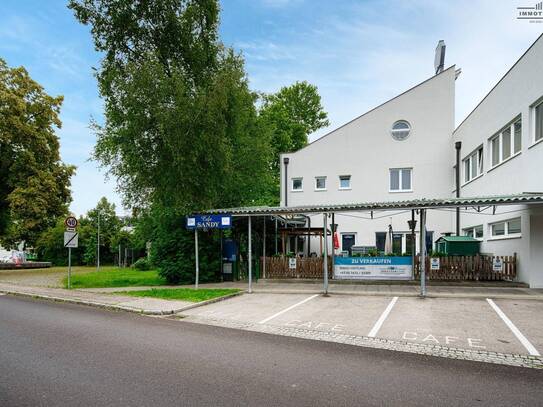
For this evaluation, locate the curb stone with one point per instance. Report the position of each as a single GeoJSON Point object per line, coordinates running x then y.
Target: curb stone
{"type": "Point", "coordinates": [528, 361]}
{"type": "Point", "coordinates": [114, 307]}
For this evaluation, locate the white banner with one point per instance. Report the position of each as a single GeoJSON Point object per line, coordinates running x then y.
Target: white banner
{"type": "Point", "coordinates": [373, 268]}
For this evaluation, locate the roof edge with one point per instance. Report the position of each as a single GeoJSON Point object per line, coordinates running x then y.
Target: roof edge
{"type": "Point", "coordinates": [497, 83]}
{"type": "Point", "coordinates": [373, 109]}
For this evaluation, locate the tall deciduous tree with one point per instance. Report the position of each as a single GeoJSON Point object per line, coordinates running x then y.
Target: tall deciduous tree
{"type": "Point", "coordinates": [34, 183]}
{"type": "Point", "coordinates": [292, 113]}
{"type": "Point", "coordinates": [181, 126]}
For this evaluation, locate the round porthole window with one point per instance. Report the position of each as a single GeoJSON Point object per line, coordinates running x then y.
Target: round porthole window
{"type": "Point", "coordinates": [400, 130]}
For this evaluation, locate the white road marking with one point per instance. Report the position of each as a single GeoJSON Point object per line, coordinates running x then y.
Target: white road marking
{"type": "Point", "coordinates": [287, 309]}
{"type": "Point", "coordinates": [525, 342]}
{"type": "Point", "coordinates": [382, 318]}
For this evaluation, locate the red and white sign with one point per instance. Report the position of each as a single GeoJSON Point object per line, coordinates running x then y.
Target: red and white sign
{"type": "Point", "coordinates": [71, 222]}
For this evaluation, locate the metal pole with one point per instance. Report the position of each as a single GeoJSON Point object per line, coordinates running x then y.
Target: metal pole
{"type": "Point", "coordinates": [98, 245]}
{"type": "Point", "coordinates": [196, 253]}
{"type": "Point", "coordinates": [423, 252]}
{"type": "Point", "coordinates": [276, 252]}
{"type": "Point", "coordinates": [264, 251]}
{"type": "Point", "coordinates": [250, 258]}
{"type": "Point", "coordinates": [413, 243]}
{"type": "Point", "coordinates": [69, 267]}
{"type": "Point", "coordinates": [120, 255]}
{"type": "Point", "coordinates": [325, 227]}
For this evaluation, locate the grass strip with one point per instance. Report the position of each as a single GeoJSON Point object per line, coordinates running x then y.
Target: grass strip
{"type": "Point", "coordinates": [183, 294]}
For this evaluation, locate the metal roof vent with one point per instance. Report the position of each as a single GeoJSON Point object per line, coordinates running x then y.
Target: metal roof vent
{"type": "Point", "coordinates": [439, 60]}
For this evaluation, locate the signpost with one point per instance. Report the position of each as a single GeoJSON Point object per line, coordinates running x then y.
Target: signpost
{"type": "Point", "coordinates": [71, 239]}
{"type": "Point", "coordinates": [497, 264]}
{"type": "Point", "coordinates": [196, 222]}
{"type": "Point", "coordinates": [434, 263]}
{"type": "Point", "coordinates": [292, 263]}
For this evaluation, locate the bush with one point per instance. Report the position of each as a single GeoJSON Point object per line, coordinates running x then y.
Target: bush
{"type": "Point", "coordinates": [142, 264]}
{"type": "Point", "coordinates": [172, 251]}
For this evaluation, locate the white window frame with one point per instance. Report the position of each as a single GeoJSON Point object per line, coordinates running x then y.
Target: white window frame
{"type": "Point", "coordinates": [506, 234]}
{"type": "Point", "coordinates": [475, 158]}
{"type": "Point", "coordinates": [474, 233]}
{"type": "Point", "coordinates": [534, 121]}
{"type": "Point", "coordinates": [400, 174]}
{"type": "Point", "coordinates": [344, 188]}
{"type": "Point", "coordinates": [394, 132]}
{"type": "Point", "coordinates": [292, 184]}
{"type": "Point", "coordinates": [316, 180]}
{"type": "Point", "coordinates": [499, 136]}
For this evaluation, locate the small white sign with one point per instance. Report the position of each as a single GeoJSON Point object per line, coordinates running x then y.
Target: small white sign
{"type": "Point", "coordinates": [292, 263]}
{"type": "Point", "coordinates": [434, 263]}
{"type": "Point", "coordinates": [497, 264]}
{"type": "Point", "coordinates": [191, 221]}
{"type": "Point", "coordinates": [71, 239]}
{"type": "Point", "coordinates": [225, 221]}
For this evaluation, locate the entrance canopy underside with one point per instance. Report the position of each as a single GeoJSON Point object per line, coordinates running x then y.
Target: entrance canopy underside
{"type": "Point", "coordinates": [474, 202]}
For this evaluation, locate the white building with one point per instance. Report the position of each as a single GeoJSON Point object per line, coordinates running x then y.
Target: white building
{"type": "Point", "coordinates": [406, 149]}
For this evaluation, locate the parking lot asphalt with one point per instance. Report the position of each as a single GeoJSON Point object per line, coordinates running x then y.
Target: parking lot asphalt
{"type": "Point", "coordinates": [505, 326]}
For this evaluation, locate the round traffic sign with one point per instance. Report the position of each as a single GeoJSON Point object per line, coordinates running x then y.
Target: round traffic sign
{"type": "Point", "coordinates": [70, 222]}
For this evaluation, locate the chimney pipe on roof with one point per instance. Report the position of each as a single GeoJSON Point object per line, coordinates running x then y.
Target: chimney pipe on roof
{"type": "Point", "coordinates": [439, 59]}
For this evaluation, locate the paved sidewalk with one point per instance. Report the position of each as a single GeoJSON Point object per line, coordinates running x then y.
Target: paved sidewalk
{"type": "Point", "coordinates": [149, 306]}
{"type": "Point", "coordinates": [387, 290]}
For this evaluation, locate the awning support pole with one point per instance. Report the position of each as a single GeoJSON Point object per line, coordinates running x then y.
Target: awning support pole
{"type": "Point", "coordinates": [325, 262]}
{"type": "Point", "coordinates": [264, 250]}
{"type": "Point", "coordinates": [423, 253]}
{"type": "Point", "coordinates": [250, 258]}
{"type": "Point", "coordinates": [196, 255]}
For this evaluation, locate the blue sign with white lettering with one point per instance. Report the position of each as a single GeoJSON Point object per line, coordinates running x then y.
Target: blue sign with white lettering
{"type": "Point", "coordinates": [209, 222]}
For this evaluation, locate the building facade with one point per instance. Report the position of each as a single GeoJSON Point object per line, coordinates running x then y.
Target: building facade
{"type": "Point", "coordinates": [406, 149]}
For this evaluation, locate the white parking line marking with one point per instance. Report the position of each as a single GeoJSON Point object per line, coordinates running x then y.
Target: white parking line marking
{"type": "Point", "coordinates": [525, 342]}
{"type": "Point", "coordinates": [382, 318]}
{"type": "Point", "coordinates": [287, 309]}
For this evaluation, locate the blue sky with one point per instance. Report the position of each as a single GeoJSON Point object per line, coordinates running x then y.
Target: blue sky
{"type": "Point", "coordinates": [358, 53]}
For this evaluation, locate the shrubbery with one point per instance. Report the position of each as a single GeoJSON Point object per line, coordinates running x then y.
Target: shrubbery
{"type": "Point", "coordinates": [142, 264]}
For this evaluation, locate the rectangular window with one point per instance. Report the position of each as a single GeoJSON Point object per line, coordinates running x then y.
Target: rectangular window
{"type": "Point", "coordinates": [344, 182]}
{"type": "Point", "coordinates": [538, 122]}
{"type": "Point", "coordinates": [320, 183]}
{"type": "Point", "coordinates": [473, 165]}
{"type": "Point", "coordinates": [474, 231]}
{"type": "Point", "coordinates": [518, 136]}
{"type": "Point", "coordinates": [495, 151]}
{"type": "Point", "coordinates": [400, 179]}
{"type": "Point", "coordinates": [297, 184]}
{"type": "Point", "coordinates": [507, 142]}
{"type": "Point", "coordinates": [506, 228]}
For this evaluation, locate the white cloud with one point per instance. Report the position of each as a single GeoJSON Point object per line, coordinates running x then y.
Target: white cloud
{"type": "Point", "coordinates": [365, 53]}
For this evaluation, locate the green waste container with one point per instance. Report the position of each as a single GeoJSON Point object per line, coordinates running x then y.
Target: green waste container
{"type": "Point", "coordinates": [458, 245]}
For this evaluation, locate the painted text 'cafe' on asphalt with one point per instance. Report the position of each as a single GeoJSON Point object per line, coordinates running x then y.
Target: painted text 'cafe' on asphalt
{"type": "Point", "coordinates": [393, 181]}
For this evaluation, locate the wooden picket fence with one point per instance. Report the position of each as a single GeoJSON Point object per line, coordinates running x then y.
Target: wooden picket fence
{"type": "Point", "coordinates": [306, 267]}
{"type": "Point", "coordinates": [453, 268]}
{"type": "Point", "coordinates": [470, 268]}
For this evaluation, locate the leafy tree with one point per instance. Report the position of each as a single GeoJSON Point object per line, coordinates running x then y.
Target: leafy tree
{"type": "Point", "coordinates": [181, 129]}
{"type": "Point", "coordinates": [110, 227]}
{"type": "Point", "coordinates": [35, 184]}
{"type": "Point", "coordinates": [50, 246]}
{"type": "Point", "coordinates": [293, 113]}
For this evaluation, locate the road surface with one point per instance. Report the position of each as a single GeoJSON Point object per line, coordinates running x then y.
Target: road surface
{"type": "Point", "coordinates": [67, 355]}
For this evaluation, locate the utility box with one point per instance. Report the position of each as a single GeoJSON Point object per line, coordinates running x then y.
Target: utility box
{"type": "Point", "coordinates": [458, 245]}
{"type": "Point", "coordinates": [229, 260]}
